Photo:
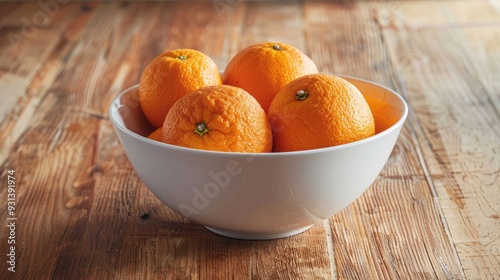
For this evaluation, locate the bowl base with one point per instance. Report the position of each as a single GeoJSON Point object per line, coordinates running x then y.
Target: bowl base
{"type": "Point", "coordinates": [257, 236]}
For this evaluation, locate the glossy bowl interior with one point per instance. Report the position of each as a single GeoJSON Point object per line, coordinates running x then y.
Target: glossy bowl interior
{"type": "Point", "coordinates": [260, 196]}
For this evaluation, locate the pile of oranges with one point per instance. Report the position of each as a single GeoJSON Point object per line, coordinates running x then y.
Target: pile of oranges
{"type": "Point", "coordinates": [270, 98]}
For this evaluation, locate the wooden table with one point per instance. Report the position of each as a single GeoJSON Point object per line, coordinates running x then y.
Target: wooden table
{"type": "Point", "coordinates": [81, 212]}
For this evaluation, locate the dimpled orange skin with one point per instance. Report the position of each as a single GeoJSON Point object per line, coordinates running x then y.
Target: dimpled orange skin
{"type": "Point", "coordinates": [234, 120]}
{"type": "Point", "coordinates": [262, 70]}
{"type": "Point", "coordinates": [334, 112]}
{"type": "Point", "coordinates": [168, 77]}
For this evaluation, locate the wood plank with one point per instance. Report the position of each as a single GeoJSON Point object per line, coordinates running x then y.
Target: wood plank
{"type": "Point", "coordinates": [358, 52]}
{"type": "Point", "coordinates": [301, 256]}
{"type": "Point", "coordinates": [200, 28]}
{"type": "Point", "coordinates": [398, 211]}
{"type": "Point", "coordinates": [27, 86]}
{"type": "Point", "coordinates": [443, 13]}
{"type": "Point", "coordinates": [7, 8]}
{"type": "Point", "coordinates": [405, 233]}
{"type": "Point", "coordinates": [259, 22]}
{"type": "Point", "coordinates": [456, 111]}
{"type": "Point", "coordinates": [56, 157]}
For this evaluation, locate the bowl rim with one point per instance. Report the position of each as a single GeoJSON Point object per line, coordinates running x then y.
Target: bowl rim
{"type": "Point", "coordinates": [139, 137]}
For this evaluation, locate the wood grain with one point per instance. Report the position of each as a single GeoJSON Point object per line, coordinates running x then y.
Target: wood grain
{"type": "Point", "coordinates": [401, 200]}
{"type": "Point", "coordinates": [455, 126]}
{"type": "Point", "coordinates": [83, 213]}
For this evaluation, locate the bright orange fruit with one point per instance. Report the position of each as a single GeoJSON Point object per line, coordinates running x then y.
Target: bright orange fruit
{"type": "Point", "coordinates": [263, 69]}
{"type": "Point", "coordinates": [156, 135]}
{"type": "Point", "coordinates": [171, 75]}
{"type": "Point", "coordinates": [218, 118]}
{"type": "Point", "coordinates": [317, 111]}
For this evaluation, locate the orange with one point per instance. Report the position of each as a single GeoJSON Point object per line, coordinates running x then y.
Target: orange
{"type": "Point", "coordinates": [171, 75]}
{"type": "Point", "coordinates": [156, 135]}
{"type": "Point", "coordinates": [218, 118]}
{"type": "Point", "coordinates": [263, 69]}
{"type": "Point", "coordinates": [317, 111]}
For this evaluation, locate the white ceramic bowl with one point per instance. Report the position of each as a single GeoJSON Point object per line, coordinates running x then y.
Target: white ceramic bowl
{"type": "Point", "coordinates": [260, 196]}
